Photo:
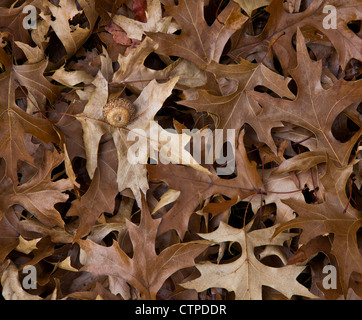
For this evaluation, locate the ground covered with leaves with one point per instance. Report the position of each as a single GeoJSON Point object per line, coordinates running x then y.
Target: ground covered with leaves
{"type": "Point", "coordinates": [96, 225]}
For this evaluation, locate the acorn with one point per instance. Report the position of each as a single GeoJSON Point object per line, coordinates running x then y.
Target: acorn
{"type": "Point", "coordinates": [119, 112]}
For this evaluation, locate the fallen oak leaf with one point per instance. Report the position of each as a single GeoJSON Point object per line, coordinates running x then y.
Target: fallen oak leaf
{"type": "Point", "coordinates": [29, 227]}
{"type": "Point", "coordinates": [44, 249]}
{"type": "Point", "coordinates": [301, 162]}
{"type": "Point", "coordinates": [168, 197]}
{"type": "Point", "coordinates": [209, 43]}
{"type": "Point", "coordinates": [311, 249]}
{"type": "Point", "coordinates": [246, 183]}
{"type": "Point", "coordinates": [132, 69]}
{"type": "Point", "coordinates": [9, 233]}
{"type": "Point", "coordinates": [26, 246]}
{"type": "Point", "coordinates": [100, 196]}
{"type": "Point", "coordinates": [314, 108]}
{"type": "Point", "coordinates": [246, 275]}
{"type": "Point", "coordinates": [236, 109]}
{"type": "Point", "coordinates": [71, 78]}
{"type": "Point", "coordinates": [283, 25]}
{"type": "Point", "coordinates": [65, 265]}
{"type": "Point", "coordinates": [155, 22]}
{"type": "Point", "coordinates": [146, 106]}
{"type": "Point", "coordinates": [146, 271]}
{"type": "Point", "coordinates": [279, 187]}
{"type": "Point", "coordinates": [14, 122]}
{"type": "Point", "coordinates": [32, 54]}
{"type": "Point", "coordinates": [39, 195]}
{"type": "Point", "coordinates": [333, 216]}
{"type": "Point", "coordinates": [58, 18]}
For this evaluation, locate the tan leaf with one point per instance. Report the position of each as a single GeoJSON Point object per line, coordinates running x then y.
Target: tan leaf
{"type": "Point", "coordinates": [26, 246]}
{"type": "Point", "coordinates": [246, 275]}
{"type": "Point", "coordinates": [155, 22]}
{"type": "Point", "coordinates": [71, 78]}
{"type": "Point", "coordinates": [33, 55]}
{"type": "Point", "coordinates": [301, 162]}
{"type": "Point", "coordinates": [58, 18]}
{"type": "Point", "coordinates": [65, 265]}
{"type": "Point", "coordinates": [250, 5]}
{"type": "Point", "coordinates": [167, 198]}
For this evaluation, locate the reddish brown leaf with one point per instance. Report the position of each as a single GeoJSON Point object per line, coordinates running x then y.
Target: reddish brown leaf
{"type": "Point", "coordinates": [146, 271]}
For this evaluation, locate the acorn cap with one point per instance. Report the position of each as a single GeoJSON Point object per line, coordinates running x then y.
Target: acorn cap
{"type": "Point", "coordinates": [119, 112]}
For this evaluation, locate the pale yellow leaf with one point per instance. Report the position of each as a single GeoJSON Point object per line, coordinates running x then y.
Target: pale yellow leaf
{"type": "Point", "coordinates": [26, 246]}
{"type": "Point", "coordinates": [168, 197]}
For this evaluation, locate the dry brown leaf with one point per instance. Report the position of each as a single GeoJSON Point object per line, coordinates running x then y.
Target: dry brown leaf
{"type": "Point", "coordinates": [333, 216]}
{"type": "Point", "coordinates": [155, 22]}
{"type": "Point", "coordinates": [282, 26]}
{"type": "Point", "coordinates": [39, 195]}
{"type": "Point", "coordinates": [209, 42]}
{"type": "Point", "coordinates": [315, 108]}
{"type": "Point", "coordinates": [146, 271]}
{"type": "Point", "coordinates": [14, 121]}
{"type": "Point", "coordinates": [236, 109]}
{"type": "Point", "coordinates": [203, 185]}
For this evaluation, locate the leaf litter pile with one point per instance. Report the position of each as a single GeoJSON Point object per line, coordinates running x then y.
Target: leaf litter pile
{"type": "Point", "coordinates": [98, 226]}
